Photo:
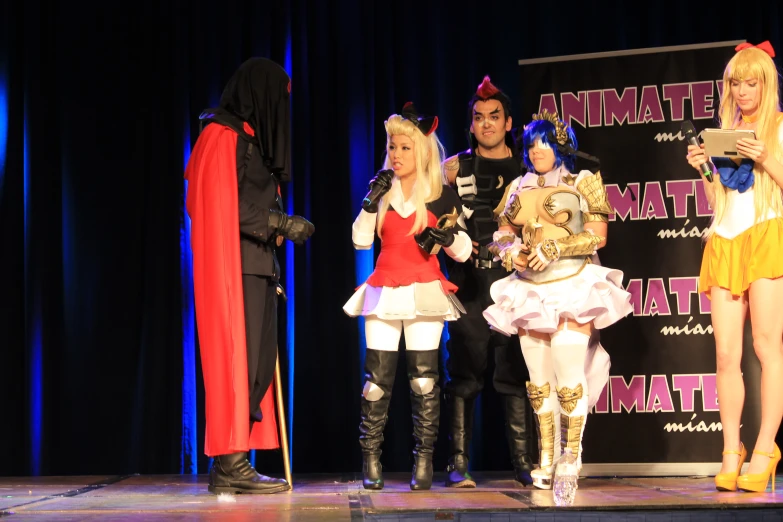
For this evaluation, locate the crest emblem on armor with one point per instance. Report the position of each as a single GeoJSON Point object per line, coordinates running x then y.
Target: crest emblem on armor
{"type": "Point", "coordinates": [563, 207]}
{"type": "Point", "coordinates": [514, 206]}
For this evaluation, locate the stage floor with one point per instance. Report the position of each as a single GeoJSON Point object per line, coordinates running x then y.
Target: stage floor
{"type": "Point", "coordinates": [333, 497]}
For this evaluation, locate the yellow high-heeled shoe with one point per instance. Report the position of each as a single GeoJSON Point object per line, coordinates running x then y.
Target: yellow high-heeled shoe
{"type": "Point", "coordinates": [728, 481]}
{"type": "Point", "coordinates": [757, 482]}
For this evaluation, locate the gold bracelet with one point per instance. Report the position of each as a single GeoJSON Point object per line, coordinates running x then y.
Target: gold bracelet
{"type": "Point", "coordinates": [549, 249]}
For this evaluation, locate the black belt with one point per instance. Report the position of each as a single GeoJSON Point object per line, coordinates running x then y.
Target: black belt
{"type": "Point", "coordinates": [484, 264]}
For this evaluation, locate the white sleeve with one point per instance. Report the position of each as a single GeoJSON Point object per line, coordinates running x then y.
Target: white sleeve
{"type": "Point", "coordinates": [515, 184]}
{"type": "Point", "coordinates": [363, 230]}
{"type": "Point", "coordinates": [461, 247]}
{"type": "Point", "coordinates": [515, 246]}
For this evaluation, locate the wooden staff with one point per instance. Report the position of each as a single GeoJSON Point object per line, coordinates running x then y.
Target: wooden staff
{"type": "Point", "coordinates": [280, 405]}
{"type": "Point", "coordinates": [281, 423]}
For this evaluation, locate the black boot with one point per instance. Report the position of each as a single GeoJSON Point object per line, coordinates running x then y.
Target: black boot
{"type": "Point", "coordinates": [379, 370]}
{"type": "Point", "coordinates": [372, 478]}
{"type": "Point", "coordinates": [518, 434]}
{"type": "Point", "coordinates": [233, 474]}
{"type": "Point", "coordinates": [425, 407]}
{"type": "Point", "coordinates": [459, 442]}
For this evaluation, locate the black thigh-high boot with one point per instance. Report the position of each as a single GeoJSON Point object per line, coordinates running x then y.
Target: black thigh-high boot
{"type": "Point", "coordinates": [518, 434]}
{"type": "Point", "coordinates": [460, 432]}
{"type": "Point", "coordinates": [379, 369]}
{"type": "Point", "coordinates": [425, 408]}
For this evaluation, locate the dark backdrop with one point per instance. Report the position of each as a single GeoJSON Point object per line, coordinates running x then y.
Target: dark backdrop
{"type": "Point", "coordinates": [98, 111]}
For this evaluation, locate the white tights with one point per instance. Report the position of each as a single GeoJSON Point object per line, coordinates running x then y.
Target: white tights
{"type": "Point", "coordinates": [421, 333]}
{"type": "Point", "coordinates": [560, 362]}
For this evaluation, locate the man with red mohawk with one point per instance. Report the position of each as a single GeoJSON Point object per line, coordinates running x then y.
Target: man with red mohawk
{"type": "Point", "coordinates": [482, 175]}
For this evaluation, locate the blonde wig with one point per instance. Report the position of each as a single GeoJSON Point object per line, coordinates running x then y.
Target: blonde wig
{"type": "Point", "coordinates": [753, 63]}
{"type": "Point", "coordinates": [429, 154]}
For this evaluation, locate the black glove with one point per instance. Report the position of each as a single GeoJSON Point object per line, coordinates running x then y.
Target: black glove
{"type": "Point", "coordinates": [294, 228]}
{"type": "Point", "coordinates": [380, 184]}
{"type": "Point", "coordinates": [443, 237]}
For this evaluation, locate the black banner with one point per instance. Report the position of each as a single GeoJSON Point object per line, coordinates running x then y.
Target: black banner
{"type": "Point", "coordinates": [659, 412]}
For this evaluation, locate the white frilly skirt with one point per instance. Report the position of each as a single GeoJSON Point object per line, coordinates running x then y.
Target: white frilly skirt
{"type": "Point", "coordinates": [594, 294]}
{"type": "Point", "coordinates": [404, 302]}
{"type": "Point", "coordinates": [597, 366]}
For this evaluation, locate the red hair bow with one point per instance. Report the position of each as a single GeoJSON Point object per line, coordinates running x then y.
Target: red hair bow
{"type": "Point", "coordinates": [764, 46]}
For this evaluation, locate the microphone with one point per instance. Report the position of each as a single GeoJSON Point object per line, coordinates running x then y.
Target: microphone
{"type": "Point", "coordinates": [690, 137]}
{"type": "Point", "coordinates": [376, 189]}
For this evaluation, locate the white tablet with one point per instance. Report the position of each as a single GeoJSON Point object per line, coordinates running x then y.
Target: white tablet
{"type": "Point", "coordinates": [723, 142]}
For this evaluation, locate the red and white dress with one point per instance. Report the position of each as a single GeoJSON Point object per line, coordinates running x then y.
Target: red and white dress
{"type": "Point", "coordinates": [407, 282]}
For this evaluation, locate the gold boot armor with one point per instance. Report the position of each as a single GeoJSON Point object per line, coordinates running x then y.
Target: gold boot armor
{"type": "Point", "coordinates": [545, 425]}
{"type": "Point", "coordinates": [571, 426]}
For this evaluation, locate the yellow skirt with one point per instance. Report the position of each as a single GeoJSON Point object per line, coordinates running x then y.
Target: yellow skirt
{"type": "Point", "coordinates": [734, 264]}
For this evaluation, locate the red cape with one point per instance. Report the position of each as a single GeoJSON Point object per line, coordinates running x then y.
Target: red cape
{"type": "Point", "coordinates": [217, 281]}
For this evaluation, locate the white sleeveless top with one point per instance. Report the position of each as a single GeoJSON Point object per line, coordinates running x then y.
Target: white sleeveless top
{"type": "Point", "coordinates": [740, 213]}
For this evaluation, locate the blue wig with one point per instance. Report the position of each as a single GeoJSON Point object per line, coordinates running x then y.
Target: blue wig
{"type": "Point", "coordinates": [545, 131]}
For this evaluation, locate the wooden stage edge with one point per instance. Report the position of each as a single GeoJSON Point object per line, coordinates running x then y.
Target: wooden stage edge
{"type": "Point", "coordinates": [341, 497]}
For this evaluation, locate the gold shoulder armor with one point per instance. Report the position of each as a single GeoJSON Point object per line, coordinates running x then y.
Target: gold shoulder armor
{"type": "Point", "coordinates": [592, 189]}
{"type": "Point", "coordinates": [452, 163]}
{"type": "Point", "coordinates": [512, 209]}
{"type": "Point", "coordinates": [498, 211]}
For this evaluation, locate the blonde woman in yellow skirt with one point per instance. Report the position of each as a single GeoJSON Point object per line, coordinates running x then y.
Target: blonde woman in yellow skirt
{"type": "Point", "coordinates": [743, 260]}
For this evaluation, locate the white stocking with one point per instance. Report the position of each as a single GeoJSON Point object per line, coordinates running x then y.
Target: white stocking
{"type": "Point", "coordinates": [538, 358]}
{"type": "Point", "coordinates": [569, 350]}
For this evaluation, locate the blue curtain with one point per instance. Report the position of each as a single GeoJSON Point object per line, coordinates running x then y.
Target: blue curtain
{"type": "Point", "coordinates": [98, 345]}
